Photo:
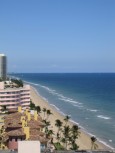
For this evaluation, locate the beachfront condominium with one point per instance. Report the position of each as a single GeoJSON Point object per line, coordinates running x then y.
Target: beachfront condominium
{"type": "Point", "coordinates": [3, 66]}
{"type": "Point", "coordinates": [11, 98]}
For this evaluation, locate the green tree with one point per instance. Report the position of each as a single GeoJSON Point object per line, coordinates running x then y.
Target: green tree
{"type": "Point", "coordinates": [18, 82]}
{"type": "Point", "coordinates": [63, 140]}
{"type": "Point", "coordinates": [66, 133]}
{"type": "Point", "coordinates": [74, 136]}
{"type": "Point", "coordinates": [47, 124]}
{"type": "Point", "coordinates": [49, 133]}
{"type": "Point", "coordinates": [48, 113]}
{"type": "Point", "coordinates": [75, 130]}
{"type": "Point", "coordinates": [59, 124]}
{"type": "Point", "coordinates": [66, 119]}
{"type": "Point", "coordinates": [32, 106]}
{"type": "Point", "coordinates": [74, 146]}
{"type": "Point", "coordinates": [4, 108]}
{"type": "Point", "coordinates": [38, 108]}
{"type": "Point", "coordinates": [93, 144]}
{"type": "Point", "coordinates": [1, 79]}
{"type": "Point", "coordinates": [44, 110]}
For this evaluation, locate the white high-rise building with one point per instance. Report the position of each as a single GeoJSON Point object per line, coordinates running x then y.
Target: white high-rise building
{"type": "Point", "coordinates": [3, 66]}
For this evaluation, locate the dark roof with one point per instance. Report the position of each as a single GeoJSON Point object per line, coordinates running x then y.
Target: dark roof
{"type": "Point", "coordinates": [36, 132]}
{"type": "Point", "coordinates": [12, 123]}
{"type": "Point", "coordinates": [35, 124]}
{"type": "Point", "coordinates": [36, 137]}
{"type": "Point", "coordinates": [13, 115]}
{"type": "Point", "coordinates": [39, 118]}
{"type": "Point", "coordinates": [18, 132]}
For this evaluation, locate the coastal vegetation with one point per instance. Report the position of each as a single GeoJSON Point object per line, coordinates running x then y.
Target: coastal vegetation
{"type": "Point", "coordinates": [32, 105]}
{"type": "Point", "coordinates": [93, 144]}
{"type": "Point", "coordinates": [19, 82]}
{"type": "Point", "coordinates": [1, 80]}
{"type": "Point", "coordinates": [66, 136]}
{"type": "Point", "coordinates": [44, 111]}
{"type": "Point", "coordinates": [4, 108]}
{"type": "Point", "coordinates": [2, 145]}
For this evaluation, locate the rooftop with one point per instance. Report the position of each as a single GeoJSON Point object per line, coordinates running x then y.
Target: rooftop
{"type": "Point", "coordinates": [18, 132]}
{"type": "Point", "coordinates": [2, 54]}
{"type": "Point", "coordinates": [14, 125]}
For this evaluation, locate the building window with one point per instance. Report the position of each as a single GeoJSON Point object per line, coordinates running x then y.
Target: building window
{"type": "Point", "coordinates": [10, 139]}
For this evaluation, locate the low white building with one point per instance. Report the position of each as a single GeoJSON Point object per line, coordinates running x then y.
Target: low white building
{"type": "Point", "coordinates": [28, 147]}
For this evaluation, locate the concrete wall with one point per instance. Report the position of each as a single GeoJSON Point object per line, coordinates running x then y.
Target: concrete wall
{"type": "Point", "coordinates": [1, 85]}
{"type": "Point", "coordinates": [13, 144]}
{"type": "Point", "coordinates": [28, 147]}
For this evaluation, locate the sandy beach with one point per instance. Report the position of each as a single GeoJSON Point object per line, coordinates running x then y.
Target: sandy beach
{"type": "Point", "coordinates": [83, 141]}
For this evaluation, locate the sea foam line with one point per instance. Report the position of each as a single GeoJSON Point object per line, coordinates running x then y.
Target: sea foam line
{"type": "Point", "coordinates": [69, 100]}
{"type": "Point", "coordinates": [103, 117]}
{"type": "Point", "coordinates": [79, 106]}
{"type": "Point", "coordinates": [92, 110]}
{"type": "Point", "coordinates": [74, 122]}
{"type": "Point", "coordinates": [55, 107]}
{"type": "Point", "coordinates": [61, 97]}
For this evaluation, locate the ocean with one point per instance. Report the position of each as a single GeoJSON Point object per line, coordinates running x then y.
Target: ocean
{"type": "Point", "coordinates": [89, 98]}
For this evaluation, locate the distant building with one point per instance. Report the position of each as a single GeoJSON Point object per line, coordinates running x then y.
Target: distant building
{"type": "Point", "coordinates": [3, 66]}
{"type": "Point", "coordinates": [11, 98]}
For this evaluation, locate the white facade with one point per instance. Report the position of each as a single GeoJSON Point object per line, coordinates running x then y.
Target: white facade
{"type": "Point", "coordinates": [28, 147]}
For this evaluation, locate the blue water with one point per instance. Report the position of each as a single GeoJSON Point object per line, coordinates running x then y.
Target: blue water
{"type": "Point", "coordinates": [88, 98]}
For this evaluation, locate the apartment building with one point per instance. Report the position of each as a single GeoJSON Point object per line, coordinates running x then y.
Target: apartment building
{"type": "Point", "coordinates": [14, 97]}
{"type": "Point", "coordinates": [3, 66]}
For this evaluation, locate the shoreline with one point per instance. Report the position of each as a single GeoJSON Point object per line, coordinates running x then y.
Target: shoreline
{"type": "Point", "coordinates": [83, 141]}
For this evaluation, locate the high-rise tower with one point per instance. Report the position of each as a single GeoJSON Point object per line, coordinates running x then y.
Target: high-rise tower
{"type": "Point", "coordinates": [3, 66]}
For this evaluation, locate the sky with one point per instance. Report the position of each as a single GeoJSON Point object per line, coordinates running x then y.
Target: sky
{"type": "Point", "coordinates": [46, 36]}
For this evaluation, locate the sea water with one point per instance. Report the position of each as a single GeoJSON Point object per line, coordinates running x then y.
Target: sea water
{"type": "Point", "coordinates": [89, 98]}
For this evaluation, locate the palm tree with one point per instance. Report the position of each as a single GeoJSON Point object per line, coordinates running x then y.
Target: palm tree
{"type": "Point", "coordinates": [47, 124]}
{"type": "Point", "coordinates": [93, 144]}
{"type": "Point", "coordinates": [50, 133]}
{"type": "Point", "coordinates": [32, 105]}
{"type": "Point", "coordinates": [38, 108]}
{"type": "Point", "coordinates": [66, 119]}
{"type": "Point", "coordinates": [63, 140]}
{"type": "Point", "coordinates": [44, 110]}
{"type": "Point", "coordinates": [66, 133]}
{"type": "Point", "coordinates": [48, 113]}
{"type": "Point", "coordinates": [75, 130]}
{"type": "Point", "coordinates": [72, 142]}
{"type": "Point", "coordinates": [58, 123]}
{"type": "Point", "coordinates": [74, 146]}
